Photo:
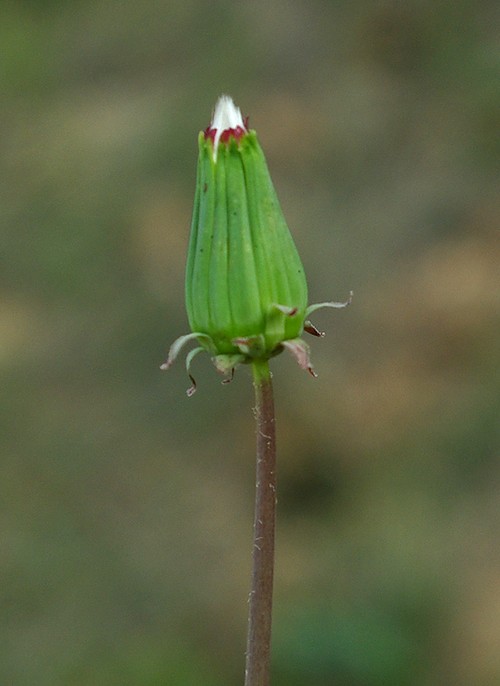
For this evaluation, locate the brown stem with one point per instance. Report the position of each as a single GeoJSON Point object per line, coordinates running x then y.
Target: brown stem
{"type": "Point", "coordinates": [258, 655]}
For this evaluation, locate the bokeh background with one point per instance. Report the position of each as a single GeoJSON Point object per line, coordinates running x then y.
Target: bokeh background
{"type": "Point", "coordinates": [125, 507]}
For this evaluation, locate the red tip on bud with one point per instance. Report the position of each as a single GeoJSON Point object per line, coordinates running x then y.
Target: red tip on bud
{"type": "Point", "coordinates": [225, 135]}
{"type": "Point", "coordinates": [226, 122]}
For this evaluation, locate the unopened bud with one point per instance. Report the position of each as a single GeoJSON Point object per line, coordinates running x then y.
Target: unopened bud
{"type": "Point", "coordinates": [246, 291]}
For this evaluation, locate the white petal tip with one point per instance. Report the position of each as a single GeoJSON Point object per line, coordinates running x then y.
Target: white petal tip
{"type": "Point", "coordinates": [226, 117]}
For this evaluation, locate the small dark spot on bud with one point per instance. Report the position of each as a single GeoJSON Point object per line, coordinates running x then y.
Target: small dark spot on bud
{"type": "Point", "coordinates": [205, 187]}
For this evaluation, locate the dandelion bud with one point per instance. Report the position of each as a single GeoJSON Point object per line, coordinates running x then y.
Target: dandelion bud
{"type": "Point", "coordinates": [246, 291]}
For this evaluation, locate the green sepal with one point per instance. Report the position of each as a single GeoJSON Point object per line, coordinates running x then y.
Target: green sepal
{"type": "Point", "coordinates": [177, 346]}
{"type": "Point", "coordinates": [189, 358]}
{"type": "Point", "coordinates": [335, 305]}
{"type": "Point", "coordinates": [301, 352]}
{"type": "Point", "coordinates": [227, 363]}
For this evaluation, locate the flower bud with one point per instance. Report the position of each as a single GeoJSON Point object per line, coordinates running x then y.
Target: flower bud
{"type": "Point", "coordinates": [246, 292]}
{"type": "Point", "coordinates": [244, 279]}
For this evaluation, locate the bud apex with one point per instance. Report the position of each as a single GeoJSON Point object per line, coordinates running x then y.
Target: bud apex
{"type": "Point", "coordinates": [226, 121]}
{"type": "Point", "coordinates": [246, 292]}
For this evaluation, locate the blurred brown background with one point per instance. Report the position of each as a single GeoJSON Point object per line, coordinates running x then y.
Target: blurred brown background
{"type": "Point", "coordinates": [126, 508]}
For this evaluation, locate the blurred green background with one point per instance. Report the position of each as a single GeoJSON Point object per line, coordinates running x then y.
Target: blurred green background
{"type": "Point", "coordinates": [125, 507]}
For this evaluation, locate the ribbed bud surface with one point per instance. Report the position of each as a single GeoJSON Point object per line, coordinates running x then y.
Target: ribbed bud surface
{"type": "Point", "coordinates": [244, 277]}
{"type": "Point", "coordinates": [246, 292]}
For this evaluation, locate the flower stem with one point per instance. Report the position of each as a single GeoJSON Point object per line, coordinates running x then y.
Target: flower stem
{"type": "Point", "coordinates": [258, 655]}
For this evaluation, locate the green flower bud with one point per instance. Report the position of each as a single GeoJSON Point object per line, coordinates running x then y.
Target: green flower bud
{"type": "Point", "coordinates": [246, 291]}
{"type": "Point", "coordinates": [244, 276]}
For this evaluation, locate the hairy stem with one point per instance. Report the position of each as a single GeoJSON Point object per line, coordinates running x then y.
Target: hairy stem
{"type": "Point", "coordinates": [258, 655]}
